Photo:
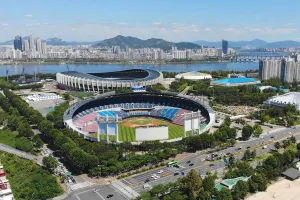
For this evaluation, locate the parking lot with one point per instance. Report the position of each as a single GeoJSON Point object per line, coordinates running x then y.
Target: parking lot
{"type": "Point", "coordinates": [96, 193]}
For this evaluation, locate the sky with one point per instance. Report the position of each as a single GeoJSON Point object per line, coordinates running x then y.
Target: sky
{"type": "Point", "coordinates": [172, 20]}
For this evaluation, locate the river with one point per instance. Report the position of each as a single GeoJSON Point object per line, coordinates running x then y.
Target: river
{"type": "Point", "coordinates": [53, 68]}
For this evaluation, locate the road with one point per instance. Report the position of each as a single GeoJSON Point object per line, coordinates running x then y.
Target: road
{"type": "Point", "coordinates": [9, 149]}
{"type": "Point", "coordinates": [99, 192]}
{"type": "Point", "coordinates": [202, 166]}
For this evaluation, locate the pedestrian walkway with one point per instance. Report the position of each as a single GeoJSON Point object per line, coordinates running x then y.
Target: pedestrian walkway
{"type": "Point", "coordinates": [9, 149]}
{"type": "Point", "coordinates": [125, 190]}
{"type": "Point", "coordinates": [78, 186]}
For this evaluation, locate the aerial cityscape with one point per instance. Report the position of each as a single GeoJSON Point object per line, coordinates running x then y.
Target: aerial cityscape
{"type": "Point", "coordinates": [149, 100]}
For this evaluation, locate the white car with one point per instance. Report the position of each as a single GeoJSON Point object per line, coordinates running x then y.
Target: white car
{"type": "Point", "coordinates": [160, 171]}
{"type": "Point", "coordinates": [154, 175]}
{"type": "Point", "coordinates": [147, 186]}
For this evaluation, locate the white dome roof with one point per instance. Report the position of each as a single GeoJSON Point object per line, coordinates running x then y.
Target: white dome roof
{"type": "Point", "coordinates": [193, 76]}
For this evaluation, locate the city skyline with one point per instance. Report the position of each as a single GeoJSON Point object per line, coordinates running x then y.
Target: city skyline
{"type": "Point", "coordinates": [173, 21]}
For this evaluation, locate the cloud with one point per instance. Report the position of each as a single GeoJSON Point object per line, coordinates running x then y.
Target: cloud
{"type": "Point", "coordinates": [28, 15]}
{"type": "Point", "coordinates": [289, 24]}
{"type": "Point", "coordinates": [156, 23]}
{"type": "Point", "coordinates": [4, 24]}
{"type": "Point", "coordinates": [229, 29]}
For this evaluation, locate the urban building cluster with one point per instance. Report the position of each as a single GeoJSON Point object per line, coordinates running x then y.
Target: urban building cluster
{"type": "Point", "coordinates": [286, 69]}
{"type": "Point", "coordinates": [36, 48]}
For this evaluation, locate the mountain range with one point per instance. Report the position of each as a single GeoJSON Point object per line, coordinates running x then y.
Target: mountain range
{"type": "Point", "coordinates": [133, 42]}
{"type": "Point", "coordinates": [252, 44]}
{"type": "Point", "coordinates": [53, 41]}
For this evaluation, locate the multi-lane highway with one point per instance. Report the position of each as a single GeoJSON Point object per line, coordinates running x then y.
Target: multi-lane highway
{"type": "Point", "coordinates": [201, 165]}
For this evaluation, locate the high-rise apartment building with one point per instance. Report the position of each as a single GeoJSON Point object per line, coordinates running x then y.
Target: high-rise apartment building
{"type": "Point", "coordinates": [44, 48]}
{"type": "Point", "coordinates": [225, 46]}
{"type": "Point", "coordinates": [39, 45]}
{"type": "Point", "coordinates": [26, 45]}
{"type": "Point", "coordinates": [18, 43]}
{"type": "Point", "coordinates": [285, 70]}
{"type": "Point", "coordinates": [31, 43]}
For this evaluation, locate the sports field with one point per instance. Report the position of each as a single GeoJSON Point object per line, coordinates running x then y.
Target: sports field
{"type": "Point", "coordinates": [127, 127]}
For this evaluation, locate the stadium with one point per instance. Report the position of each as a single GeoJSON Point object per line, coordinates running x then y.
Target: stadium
{"type": "Point", "coordinates": [138, 116]}
{"type": "Point", "coordinates": [102, 82]}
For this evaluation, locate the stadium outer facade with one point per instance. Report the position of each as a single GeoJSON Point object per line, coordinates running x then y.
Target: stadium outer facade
{"type": "Point", "coordinates": [125, 100]}
{"type": "Point", "coordinates": [101, 82]}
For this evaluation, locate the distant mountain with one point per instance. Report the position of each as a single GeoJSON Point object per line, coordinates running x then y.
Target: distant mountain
{"type": "Point", "coordinates": [283, 44]}
{"type": "Point", "coordinates": [252, 44]}
{"type": "Point", "coordinates": [54, 41]}
{"type": "Point", "coordinates": [239, 44]}
{"type": "Point", "coordinates": [133, 42]}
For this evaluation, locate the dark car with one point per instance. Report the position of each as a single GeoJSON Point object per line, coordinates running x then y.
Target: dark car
{"type": "Point", "coordinates": [188, 161]}
{"type": "Point", "coordinates": [211, 165]}
{"type": "Point", "coordinates": [110, 196]}
{"type": "Point", "coordinates": [239, 148]}
{"type": "Point", "coordinates": [228, 154]}
{"type": "Point", "coordinates": [248, 147]}
{"type": "Point", "coordinates": [175, 174]}
{"type": "Point", "coordinates": [191, 164]}
{"type": "Point", "coordinates": [147, 180]}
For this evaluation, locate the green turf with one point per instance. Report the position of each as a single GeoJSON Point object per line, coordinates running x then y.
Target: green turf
{"type": "Point", "coordinates": [128, 133]}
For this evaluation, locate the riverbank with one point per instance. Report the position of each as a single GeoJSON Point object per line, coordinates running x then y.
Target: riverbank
{"type": "Point", "coordinates": [113, 62]}
{"type": "Point", "coordinates": [30, 68]}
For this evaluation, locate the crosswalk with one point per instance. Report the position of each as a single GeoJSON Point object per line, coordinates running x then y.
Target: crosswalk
{"type": "Point", "coordinates": [125, 190]}
{"type": "Point", "coordinates": [78, 186]}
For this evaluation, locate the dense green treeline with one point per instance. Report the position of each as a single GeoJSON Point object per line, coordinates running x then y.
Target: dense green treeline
{"type": "Point", "coordinates": [28, 180]}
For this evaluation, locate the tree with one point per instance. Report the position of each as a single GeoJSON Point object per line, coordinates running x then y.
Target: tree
{"type": "Point", "coordinates": [227, 121]}
{"type": "Point", "coordinates": [232, 142]}
{"type": "Point", "coordinates": [286, 143]}
{"type": "Point", "coordinates": [191, 184]}
{"type": "Point", "coordinates": [50, 163]}
{"type": "Point", "coordinates": [290, 121]}
{"type": "Point", "coordinates": [257, 182]}
{"type": "Point", "coordinates": [24, 144]}
{"type": "Point", "coordinates": [240, 190]}
{"type": "Point", "coordinates": [298, 146]}
{"type": "Point", "coordinates": [247, 132]}
{"type": "Point", "coordinates": [277, 145]}
{"type": "Point", "coordinates": [265, 118]}
{"type": "Point", "coordinates": [253, 154]}
{"type": "Point", "coordinates": [158, 190]}
{"type": "Point", "coordinates": [231, 160]}
{"type": "Point", "coordinates": [247, 155]}
{"type": "Point", "coordinates": [224, 194]}
{"type": "Point", "coordinates": [209, 183]}
{"type": "Point", "coordinates": [257, 130]}
{"type": "Point", "coordinates": [293, 139]}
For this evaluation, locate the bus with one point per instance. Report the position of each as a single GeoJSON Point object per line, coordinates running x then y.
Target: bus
{"type": "Point", "coordinates": [173, 163]}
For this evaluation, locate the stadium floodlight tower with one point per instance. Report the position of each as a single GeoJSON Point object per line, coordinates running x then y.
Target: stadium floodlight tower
{"type": "Point", "coordinates": [192, 122]}
{"type": "Point", "coordinates": [108, 125]}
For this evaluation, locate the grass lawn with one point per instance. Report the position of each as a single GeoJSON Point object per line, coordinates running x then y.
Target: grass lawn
{"type": "Point", "coordinates": [8, 137]}
{"type": "Point", "coordinates": [81, 95]}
